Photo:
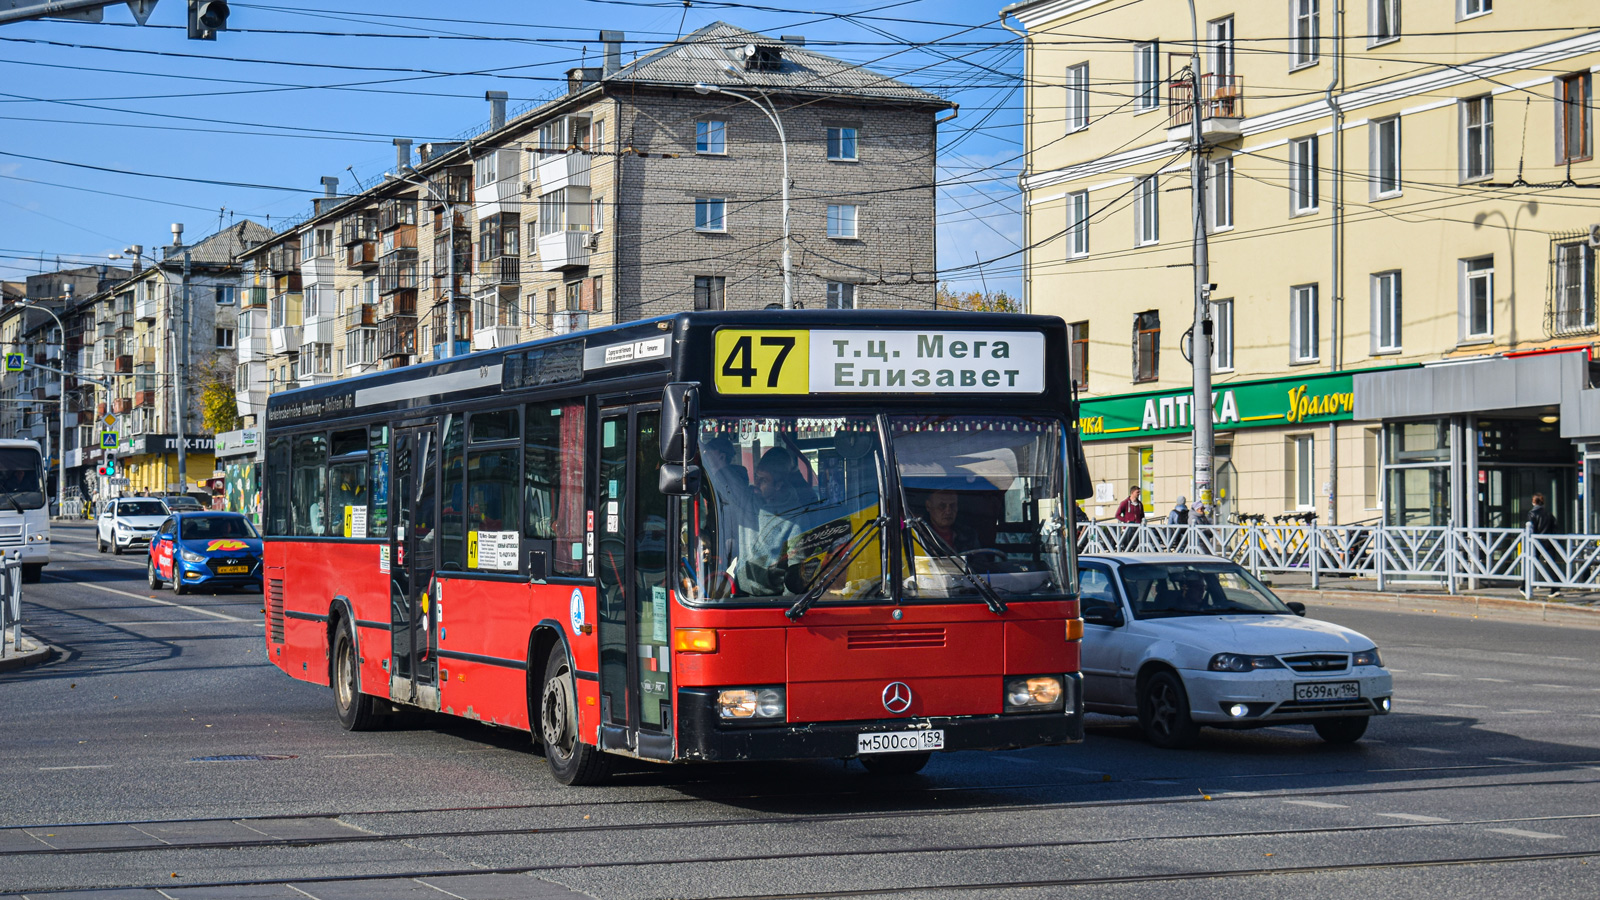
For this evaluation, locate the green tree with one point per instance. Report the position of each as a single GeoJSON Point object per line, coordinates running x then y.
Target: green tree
{"type": "Point", "coordinates": [975, 301]}
{"type": "Point", "coordinates": [218, 411]}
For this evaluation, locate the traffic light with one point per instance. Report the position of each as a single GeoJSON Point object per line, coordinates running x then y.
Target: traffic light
{"type": "Point", "coordinates": [206, 18]}
{"type": "Point", "coordinates": [111, 468]}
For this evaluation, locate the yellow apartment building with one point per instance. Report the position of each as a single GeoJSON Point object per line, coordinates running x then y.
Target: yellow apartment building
{"type": "Point", "coordinates": [1401, 221]}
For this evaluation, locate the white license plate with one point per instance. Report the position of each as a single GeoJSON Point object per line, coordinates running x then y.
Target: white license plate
{"type": "Point", "coordinates": [1328, 690]}
{"type": "Point", "coordinates": [900, 741]}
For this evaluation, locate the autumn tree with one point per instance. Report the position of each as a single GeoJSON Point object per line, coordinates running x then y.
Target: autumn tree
{"type": "Point", "coordinates": [975, 301]}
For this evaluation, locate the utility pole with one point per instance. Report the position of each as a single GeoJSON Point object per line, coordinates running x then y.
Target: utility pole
{"type": "Point", "coordinates": [1200, 336]}
{"type": "Point", "coordinates": [450, 282]}
{"type": "Point", "coordinates": [183, 365]}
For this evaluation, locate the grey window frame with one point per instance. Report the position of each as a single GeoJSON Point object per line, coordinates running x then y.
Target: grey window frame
{"type": "Point", "coordinates": [1077, 225]}
{"type": "Point", "coordinates": [703, 129]}
{"type": "Point", "coordinates": [1146, 76]}
{"type": "Point", "coordinates": [704, 221]}
{"type": "Point", "coordinates": [1077, 102]}
{"type": "Point", "coordinates": [1147, 212]}
{"type": "Point", "coordinates": [1305, 33]}
{"type": "Point", "coordinates": [1472, 271]}
{"type": "Point", "coordinates": [1383, 9]}
{"type": "Point", "coordinates": [1383, 151]}
{"type": "Point", "coordinates": [1222, 335]}
{"type": "Point", "coordinates": [1479, 136]}
{"type": "Point", "coordinates": [1219, 194]}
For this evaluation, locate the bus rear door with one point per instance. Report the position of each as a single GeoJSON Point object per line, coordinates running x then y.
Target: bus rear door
{"type": "Point", "coordinates": [413, 552]}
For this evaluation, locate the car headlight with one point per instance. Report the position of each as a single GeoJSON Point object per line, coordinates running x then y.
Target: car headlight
{"type": "Point", "coordinates": [191, 556]}
{"type": "Point", "coordinates": [1239, 662]}
{"type": "Point", "coordinates": [1366, 658]}
{"type": "Point", "coordinates": [751, 703]}
{"type": "Point", "coordinates": [1034, 693]}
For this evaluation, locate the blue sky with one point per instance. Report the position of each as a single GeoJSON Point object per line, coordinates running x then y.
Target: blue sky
{"type": "Point", "coordinates": [296, 92]}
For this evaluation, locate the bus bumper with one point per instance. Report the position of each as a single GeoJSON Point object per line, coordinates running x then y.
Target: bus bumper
{"type": "Point", "coordinates": [703, 738]}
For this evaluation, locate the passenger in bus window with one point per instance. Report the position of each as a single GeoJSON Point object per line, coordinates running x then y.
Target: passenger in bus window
{"type": "Point", "coordinates": [784, 496]}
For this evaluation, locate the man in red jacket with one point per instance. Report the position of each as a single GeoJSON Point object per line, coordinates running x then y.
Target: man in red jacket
{"type": "Point", "coordinates": [1132, 509]}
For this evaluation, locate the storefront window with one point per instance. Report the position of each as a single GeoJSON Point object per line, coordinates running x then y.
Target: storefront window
{"type": "Point", "coordinates": [1412, 442]}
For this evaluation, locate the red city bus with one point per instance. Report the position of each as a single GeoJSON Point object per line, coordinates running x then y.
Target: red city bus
{"type": "Point", "coordinates": [713, 536]}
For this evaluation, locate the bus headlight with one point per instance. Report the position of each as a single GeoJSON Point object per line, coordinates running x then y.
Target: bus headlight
{"type": "Point", "coordinates": [38, 538]}
{"type": "Point", "coordinates": [1034, 694]}
{"type": "Point", "coordinates": [751, 703]}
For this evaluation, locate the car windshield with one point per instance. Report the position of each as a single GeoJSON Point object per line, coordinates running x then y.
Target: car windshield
{"type": "Point", "coordinates": [142, 508]}
{"type": "Point", "coordinates": [199, 528]}
{"type": "Point", "coordinates": [1164, 590]}
{"type": "Point", "coordinates": [983, 498]}
{"type": "Point", "coordinates": [783, 499]}
{"type": "Point", "coordinates": [20, 487]}
{"type": "Point", "coordinates": [183, 503]}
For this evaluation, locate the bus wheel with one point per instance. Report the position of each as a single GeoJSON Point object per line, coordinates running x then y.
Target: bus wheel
{"type": "Point", "coordinates": [354, 708]}
{"type": "Point", "coordinates": [152, 577]}
{"type": "Point", "coordinates": [32, 574]}
{"type": "Point", "coordinates": [571, 760]}
{"type": "Point", "coordinates": [895, 763]}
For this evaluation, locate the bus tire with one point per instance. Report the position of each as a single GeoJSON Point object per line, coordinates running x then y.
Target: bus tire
{"type": "Point", "coordinates": [571, 761]}
{"type": "Point", "coordinates": [354, 708]}
{"type": "Point", "coordinates": [31, 574]}
{"type": "Point", "coordinates": [895, 763]}
{"type": "Point", "coordinates": [151, 576]}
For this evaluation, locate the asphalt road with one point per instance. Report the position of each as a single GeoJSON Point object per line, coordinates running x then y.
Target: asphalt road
{"type": "Point", "coordinates": [163, 756]}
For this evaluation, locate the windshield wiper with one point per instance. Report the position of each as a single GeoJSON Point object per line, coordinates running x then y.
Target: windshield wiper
{"type": "Point", "coordinates": [840, 559]}
{"type": "Point", "coordinates": [936, 544]}
{"type": "Point", "coordinates": [12, 499]}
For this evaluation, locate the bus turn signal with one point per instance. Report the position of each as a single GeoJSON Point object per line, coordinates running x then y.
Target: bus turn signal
{"type": "Point", "coordinates": [1074, 629]}
{"type": "Point", "coordinates": [694, 640]}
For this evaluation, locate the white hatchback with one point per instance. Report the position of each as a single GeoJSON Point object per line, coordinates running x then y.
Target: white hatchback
{"type": "Point", "coordinates": [1185, 641]}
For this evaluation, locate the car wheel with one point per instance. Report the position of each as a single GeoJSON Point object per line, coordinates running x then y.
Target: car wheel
{"type": "Point", "coordinates": [1164, 712]}
{"type": "Point", "coordinates": [99, 542]}
{"type": "Point", "coordinates": [116, 548]}
{"type": "Point", "coordinates": [1347, 730]}
{"type": "Point", "coordinates": [178, 586]}
{"type": "Point", "coordinates": [354, 708]}
{"type": "Point", "coordinates": [571, 760]}
{"type": "Point", "coordinates": [895, 763]}
{"type": "Point", "coordinates": [152, 577]}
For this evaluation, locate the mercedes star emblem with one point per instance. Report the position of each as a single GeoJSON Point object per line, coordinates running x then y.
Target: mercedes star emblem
{"type": "Point", "coordinates": [897, 697]}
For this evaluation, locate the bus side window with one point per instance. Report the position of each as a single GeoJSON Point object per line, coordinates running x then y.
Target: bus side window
{"type": "Point", "coordinates": [554, 455]}
{"type": "Point", "coordinates": [378, 485]}
{"type": "Point", "coordinates": [347, 483]}
{"type": "Point", "coordinates": [493, 513]}
{"type": "Point", "coordinates": [277, 499]}
{"type": "Point", "coordinates": [452, 500]}
{"type": "Point", "coordinates": [308, 500]}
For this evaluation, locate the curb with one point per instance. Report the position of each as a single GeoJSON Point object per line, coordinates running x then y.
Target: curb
{"type": "Point", "coordinates": [39, 654]}
{"type": "Point", "coordinates": [1542, 610]}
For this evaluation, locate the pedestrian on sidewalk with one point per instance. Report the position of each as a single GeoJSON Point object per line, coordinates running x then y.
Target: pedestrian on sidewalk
{"type": "Point", "coordinates": [1200, 515]}
{"type": "Point", "coordinates": [1540, 521]}
{"type": "Point", "coordinates": [1180, 513]}
{"type": "Point", "coordinates": [1132, 509]}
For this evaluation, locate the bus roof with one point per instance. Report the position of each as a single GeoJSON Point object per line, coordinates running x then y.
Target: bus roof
{"type": "Point", "coordinates": [12, 443]}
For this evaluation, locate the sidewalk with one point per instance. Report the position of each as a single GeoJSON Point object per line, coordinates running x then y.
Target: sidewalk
{"type": "Point", "coordinates": [1569, 607]}
{"type": "Point", "coordinates": [32, 652]}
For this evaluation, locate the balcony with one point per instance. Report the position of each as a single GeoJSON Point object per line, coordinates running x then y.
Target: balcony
{"type": "Point", "coordinates": [564, 250]}
{"type": "Point", "coordinates": [454, 186]}
{"type": "Point", "coordinates": [125, 321]}
{"type": "Point", "coordinates": [494, 336]}
{"type": "Point", "coordinates": [251, 346]}
{"type": "Point", "coordinates": [124, 365]}
{"type": "Point", "coordinates": [1221, 108]}
{"type": "Point", "coordinates": [145, 356]}
{"type": "Point", "coordinates": [283, 259]}
{"type": "Point", "coordinates": [286, 339]}
{"type": "Point", "coordinates": [144, 398]}
{"type": "Point", "coordinates": [500, 270]}
{"type": "Point", "coordinates": [360, 315]}
{"type": "Point", "coordinates": [394, 213]}
{"type": "Point", "coordinates": [559, 170]}
{"type": "Point", "coordinates": [462, 349]}
{"type": "Point", "coordinates": [401, 304]}
{"type": "Point", "coordinates": [359, 229]}
{"type": "Point", "coordinates": [254, 298]}
{"type": "Point", "coordinates": [565, 322]}
{"type": "Point", "coordinates": [362, 257]}
{"type": "Point", "coordinates": [397, 337]}
{"type": "Point", "coordinates": [121, 405]}
{"type": "Point", "coordinates": [398, 272]}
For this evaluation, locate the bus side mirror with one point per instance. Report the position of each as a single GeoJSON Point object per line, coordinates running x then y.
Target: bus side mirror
{"type": "Point", "coordinates": [680, 423]}
{"type": "Point", "coordinates": [679, 481]}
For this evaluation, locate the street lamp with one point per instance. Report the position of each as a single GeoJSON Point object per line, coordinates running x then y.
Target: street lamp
{"type": "Point", "coordinates": [771, 112]}
{"type": "Point", "coordinates": [61, 404]}
{"type": "Point", "coordinates": [450, 284]}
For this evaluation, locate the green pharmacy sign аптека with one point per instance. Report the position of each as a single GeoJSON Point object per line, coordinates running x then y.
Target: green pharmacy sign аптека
{"type": "Point", "coordinates": [1255, 404]}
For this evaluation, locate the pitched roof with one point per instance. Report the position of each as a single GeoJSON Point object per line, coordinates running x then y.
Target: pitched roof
{"type": "Point", "coordinates": [221, 248]}
{"type": "Point", "coordinates": [704, 55]}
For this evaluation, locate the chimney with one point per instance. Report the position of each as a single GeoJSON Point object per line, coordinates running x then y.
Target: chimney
{"type": "Point", "coordinates": [137, 252]}
{"type": "Point", "coordinates": [177, 234]}
{"type": "Point", "coordinates": [580, 78]}
{"type": "Point", "coordinates": [798, 40]}
{"type": "Point", "coordinates": [330, 186]}
{"type": "Point", "coordinates": [497, 109]}
{"type": "Point", "coordinates": [402, 154]}
{"type": "Point", "coordinates": [612, 42]}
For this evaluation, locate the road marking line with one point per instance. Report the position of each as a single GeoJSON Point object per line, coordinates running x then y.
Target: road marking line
{"type": "Point", "coordinates": [1317, 804]}
{"type": "Point", "coordinates": [1441, 674]}
{"type": "Point", "coordinates": [66, 768]}
{"type": "Point", "coordinates": [1496, 680]}
{"type": "Point", "coordinates": [1467, 705]}
{"type": "Point", "coordinates": [354, 755]}
{"type": "Point", "coordinates": [1513, 759]}
{"type": "Point", "coordinates": [1412, 817]}
{"type": "Point", "coordinates": [1527, 712]}
{"type": "Point", "coordinates": [1559, 687]}
{"type": "Point", "coordinates": [147, 599]}
{"type": "Point", "coordinates": [1429, 750]}
{"type": "Point", "coordinates": [1518, 832]}
{"type": "Point", "coordinates": [1406, 700]}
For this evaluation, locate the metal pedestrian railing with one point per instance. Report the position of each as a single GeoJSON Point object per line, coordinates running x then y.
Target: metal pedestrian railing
{"type": "Point", "coordinates": [1452, 557]}
{"type": "Point", "coordinates": [11, 599]}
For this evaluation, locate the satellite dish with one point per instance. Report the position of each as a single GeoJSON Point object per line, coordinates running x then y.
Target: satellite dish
{"type": "Point", "coordinates": [749, 50]}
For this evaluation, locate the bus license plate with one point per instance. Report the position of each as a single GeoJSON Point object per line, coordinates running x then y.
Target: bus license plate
{"type": "Point", "coordinates": [900, 741]}
{"type": "Point", "coordinates": [232, 570]}
{"type": "Point", "coordinates": [1335, 690]}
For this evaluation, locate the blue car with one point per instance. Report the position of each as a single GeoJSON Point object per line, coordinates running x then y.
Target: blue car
{"type": "Point", "coordinates": [205, 550]}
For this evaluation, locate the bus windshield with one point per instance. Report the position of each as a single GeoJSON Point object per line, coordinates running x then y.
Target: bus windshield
{"type": "Point", "coordinates": [791, 507]}
{"type": "Point", "coordinates": [20, 487]}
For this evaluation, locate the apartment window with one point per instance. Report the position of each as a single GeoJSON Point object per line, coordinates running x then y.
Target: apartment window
{"type": "Point", "coordinates": [1306, 29]}
{"type": "Point", "coordinates": [1077, 224]}
{"type": "Point", "coordinates": [224, 338]}
{"type": "Point", "coordinates": [1386, 312]}
{"type": "Point", "coordinates": [1147, 346]}
{"type": "Point", "coordinates": [1079, 334]}
{"type": "Point", "coordinates": [1385, 156]}
{"type": "Point", "coordinates": [711, 136]}
{"type": "Point", "coordinates": [324, 241]}
{"type": "Point", "coordinates": [1383, 17]}
{"type": "Point", "coordinates": [1303, 176]}
{"type": "Point", "coordinates": [227, 295]}
{"type": "Point", "coordinates": [322, 358]}
{"type": "Point", "coordinates": [841, 295]}
{"type": "Point", "coordinates": [598, 286]}
{"type": "Point", "coordinates": [1477, 298]}
{"type": "Point", "coordinates": [708, 292]}
{"type": "Point", "coordinates": [484, 169]}
{"type": "Point", "coordinates": [1574, 287]}
{"type": "Point", "coordinates": [1147, 212]}
{"type": "Point", "coordinates": [709, 214]}
{"type": "Point", "coordinates": [1147, 75]}
{"type": "Point", "coordinates": [1077, 107]}
{"type": "Point", "coordinates": [842, 221]}
{"type": "Point", "coordinates": [241, 377]}
{"type": "Point", "coordinates": [1303, 323]}
{"type": "Point", "coordinates": [842, 144]}
{"type": "Point", "coordinates": [597, 214]}
{"type": "Point", "coordinates": [1220, 45]}
{"type": "Point", "coordinates": [1471, 8]}
{"type": "Point", "coordinates": [1573, 141]}
{"type": "Point", "coordinates": [1477, 137]}
{"type": "Point", "coordinates": [1219, 197]}
{"type": "Point", "coordinates": [1301, 466]}
{"type": "Point", "coordinates": [1222, 335]}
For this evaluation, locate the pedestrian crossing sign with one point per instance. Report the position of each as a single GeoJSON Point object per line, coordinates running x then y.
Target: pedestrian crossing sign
{"type": "Point", "coordinates": [108, 440]}
{"type": "Point", "coordinates": [15, 362]}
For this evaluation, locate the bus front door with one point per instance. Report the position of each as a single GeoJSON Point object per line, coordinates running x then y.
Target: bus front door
{"type": "Point", "coordinates": [634, 599]}
{"type": "Point", "coordinates": [413, 676]}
